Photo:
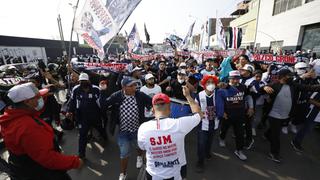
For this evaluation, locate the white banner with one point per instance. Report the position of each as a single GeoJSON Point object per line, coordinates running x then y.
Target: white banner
{"type": "Point", "coordinates": [95, 25]}
{"type": "Point", "coordinates": [18, 55]}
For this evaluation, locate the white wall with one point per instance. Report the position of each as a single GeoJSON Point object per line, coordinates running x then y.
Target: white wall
{"type": "Point", "coordinates": [285, 26]}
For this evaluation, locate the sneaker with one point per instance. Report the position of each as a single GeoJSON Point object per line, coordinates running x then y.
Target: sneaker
{"type": "Point", "coordinates": [297, 147]}
{"type": "Point", "coordinates": [250, 144]}
{"type": "Point", "coordinates": [294, 129]}
{"type": "Point", "coordinates": [222, 143]}
{"type": "Point", "coordinates": [285, 130]}
{"type": "Point", "coordinates": [274, 158]}
{"type": "Point", "coordinates": [254, 133]}
{"type": "Point", "coordinates": [122, 176]}
{"type": "Point", "coordinates": [240, 155]}
{"type": "Point", "coordinates": [199, 167]}
{"type": "Point", "coordinates": [139, 162]}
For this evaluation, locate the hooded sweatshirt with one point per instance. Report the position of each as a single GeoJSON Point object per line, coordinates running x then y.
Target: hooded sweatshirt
{"type": "Point", "coordinates": [25, 134]}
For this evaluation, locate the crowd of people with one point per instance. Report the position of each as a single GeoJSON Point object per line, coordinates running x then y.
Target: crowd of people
{"type": "Point", "coordinates": [145, 101]}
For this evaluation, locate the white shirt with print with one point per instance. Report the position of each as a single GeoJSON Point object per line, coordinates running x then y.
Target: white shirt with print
{"type": "Point", "coordinates": [163, 141]}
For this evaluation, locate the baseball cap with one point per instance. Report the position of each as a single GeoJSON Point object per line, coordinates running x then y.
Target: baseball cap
{"type": "Point", "coordinates": [127, 81]}
{"type": "Point", "coordinates": [160, 99]}
{"type": "Point", "coordinates": [248, 67]}
{"type": "Point", "coordinates": [84, 77]}
{"type": "Point", "coordinates": [25, 91]}
{"type": "Point", "coordinates": [136, 69]}
{"type": "Point", "coordinates": [182, 71]}
{"type": "Point", "coordinates": [284, 72]}
{"type": "Point", "coordinates": [148, 76]}
{"type": "Point", "coordinates": [234, 74]}
{"type": "Point", "coordinates": [183, 64]}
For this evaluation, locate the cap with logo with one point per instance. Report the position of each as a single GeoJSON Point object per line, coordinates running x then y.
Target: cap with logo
{"type": "Point", "coordinates": [248, 67]}
{"type": "Point", "coordinates": [234, 74]}
{"type": "Point", "coordinates": [24, 92]}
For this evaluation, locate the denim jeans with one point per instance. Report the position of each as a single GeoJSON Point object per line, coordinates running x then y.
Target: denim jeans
{"type": "Point", "coordinates": [205, 139]}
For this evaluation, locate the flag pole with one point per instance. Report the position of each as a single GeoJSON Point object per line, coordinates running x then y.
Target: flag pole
{"type": "Point", "coordinates": [70, 43]}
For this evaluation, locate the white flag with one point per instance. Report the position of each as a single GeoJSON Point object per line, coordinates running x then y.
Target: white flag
{"type": "Point", "coordinates": [95, 25]}
{"type": "Point", "coordinates": [185, 42]}
{"type": "Point", "coordinates": [220, 34]}
{"type": "Point", "coordinates": [204, 41]}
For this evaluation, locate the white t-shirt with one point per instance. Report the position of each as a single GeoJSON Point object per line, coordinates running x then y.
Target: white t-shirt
{"type": "Point", "coordinates": [150, 92]}
{"type": "Point", "coordinates": [163, 142]}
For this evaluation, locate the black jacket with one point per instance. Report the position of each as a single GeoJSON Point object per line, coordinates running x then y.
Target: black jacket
{"type": "Point", "coordinates": [295, 88]}
{"type": "Point", "coordinates": [114, 102]}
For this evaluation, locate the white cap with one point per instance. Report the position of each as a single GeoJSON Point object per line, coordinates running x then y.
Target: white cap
{"type": "Point", "coordinates": [25, 91]}
{"type": "Point", "coordinates": [182, 64]}
{"type": "Point", "coordinates": [136, 69]}
{"type": "Point", "coordinates": [84, 77]}
{"type": "Point", "coordinates": [182, 71]}
{"type": "Point", "coordinates": [248, 67]}
{"type": "Point", "coordinates": [148, 76]}
{"type": "Point", "coordinates": [234, 74]}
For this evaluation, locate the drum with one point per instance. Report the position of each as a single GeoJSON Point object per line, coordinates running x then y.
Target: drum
{"type": "Point", "coordinates": [179, 108]}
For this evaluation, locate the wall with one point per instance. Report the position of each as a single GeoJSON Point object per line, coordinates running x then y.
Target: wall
{"type": "Point", "coordinates": [286, 26]}
{"type": "Point", "coordinates": [248, 23]}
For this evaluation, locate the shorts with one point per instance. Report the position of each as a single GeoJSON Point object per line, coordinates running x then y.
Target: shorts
{"type": "Point", "coordinates": [126, 141]}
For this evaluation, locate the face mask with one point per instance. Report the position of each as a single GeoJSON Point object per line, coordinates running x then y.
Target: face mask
{"type": "Point", "coordinates": [84, 84]}
{"type": "Point", "coordinates": [103, 87]}
{"type": "Point", "coordinates": [211, 87]}
{"type": "Point", "coordinates": [301, 71]}
{"type": "Point", "coordinates": [40, 104]}
{"type": "Point", "coordinates": [181, 81]}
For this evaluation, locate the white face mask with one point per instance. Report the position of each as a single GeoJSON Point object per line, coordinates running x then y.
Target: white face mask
{"type": "Point", "coordinates": [211, 87]}
{"type": "Point", "coordinates": [301, 71]}
{"type": "Point", "coordinates": [40, 104]}
{"type": "Point", "coordinates": [181, 81]}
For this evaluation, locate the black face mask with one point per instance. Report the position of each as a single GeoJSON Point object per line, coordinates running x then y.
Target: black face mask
{"type": "Point", "coordinates": [84, 85]}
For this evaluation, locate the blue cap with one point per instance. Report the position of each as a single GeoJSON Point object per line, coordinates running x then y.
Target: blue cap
{"type": "Point", "coordinates": [127, 81]}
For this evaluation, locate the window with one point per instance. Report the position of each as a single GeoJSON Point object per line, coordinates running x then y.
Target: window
{"type": "Point", "coordinates": [311, 36]}
{"type": "Point", "coordinates": [276, 45]}
{"type": "Point", "coordinates": [285, 5]}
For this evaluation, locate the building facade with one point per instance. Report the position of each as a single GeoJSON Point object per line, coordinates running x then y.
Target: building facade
{"type": "Point", "coordinates": [288, 25]}
{"type": "Point", "coordinates": [247, 14]}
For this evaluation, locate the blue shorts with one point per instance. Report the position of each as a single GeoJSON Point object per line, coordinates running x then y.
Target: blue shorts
{"type": "Point", "coordinates": [126, 141]}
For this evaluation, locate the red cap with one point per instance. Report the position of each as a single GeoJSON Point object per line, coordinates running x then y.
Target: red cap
{"type": "Point", "coordinates": [160, 99]}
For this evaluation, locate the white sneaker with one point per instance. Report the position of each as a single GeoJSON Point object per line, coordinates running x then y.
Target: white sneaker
{"type": "Point", "coordinates": [139, 162]}
{"type": "Point", "coordinates": [222, 143]}
{"type": "Point", "coordinates": [240, 155]}
{"type": "Point", "coordinates": [285, 130]}
{"type": "Point", "coordinates": [122, 176]}
{"type": "Point", "coordinates": [254, 133]}
{"type": "Point", "coordinates": [293, 129]}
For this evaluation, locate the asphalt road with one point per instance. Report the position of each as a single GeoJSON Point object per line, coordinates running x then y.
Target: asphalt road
{"type": "Point", "coordinates": [103, 160]}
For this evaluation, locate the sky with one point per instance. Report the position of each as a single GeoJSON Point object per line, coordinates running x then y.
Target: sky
{"type": "Point", "coordinates": [38, 18]}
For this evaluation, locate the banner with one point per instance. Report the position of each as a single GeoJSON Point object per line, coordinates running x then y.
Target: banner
{"type": "Point", "coordinates": [116, 67]}
{"type": "Point", "coordinates": [146, 33]}
{"type": "Point", "coordinates": [185, 42]}
{"type": "Point", "coordinates": [120, 10]}
{"type": "Point", "coordinates": [143, 57]}
{"type": "Point", "coordinates": [10, 81]}
{"type": "Point", "coordinates": [96, 25]}
{"type": "Point", "coordinates": [204, 39]}
{"type": "Point", "coordinates": [235, 37]}
{"type": "Point", "coordinates": [174, 41]}
{"type": "Point", "coordinates": [20, 55]}
{"type": "Point", "coordinates": [269, 58]}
